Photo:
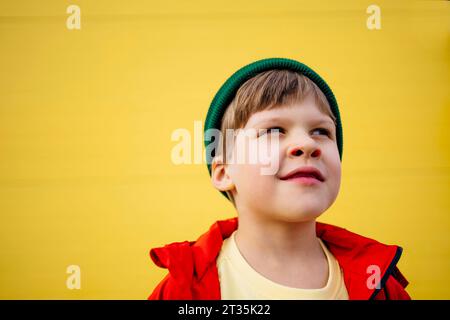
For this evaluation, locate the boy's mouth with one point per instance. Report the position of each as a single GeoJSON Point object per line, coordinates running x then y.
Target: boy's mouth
{"type": "Point", "coordinates": [305, 174]}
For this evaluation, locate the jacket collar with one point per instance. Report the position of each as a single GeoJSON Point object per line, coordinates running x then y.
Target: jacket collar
{"type": "Point", "coordinates": [362, 259]}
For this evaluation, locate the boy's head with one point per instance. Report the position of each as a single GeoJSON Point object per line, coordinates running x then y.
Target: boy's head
{"type": "Point", "coordinates": [279, 105]}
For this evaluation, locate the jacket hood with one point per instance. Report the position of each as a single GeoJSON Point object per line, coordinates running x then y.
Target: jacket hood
{"type": "Point", "coordinates": [355, 254]}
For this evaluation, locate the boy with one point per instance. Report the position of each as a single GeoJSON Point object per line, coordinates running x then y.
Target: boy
{"type": "Point", "coordinates": [275, 249]}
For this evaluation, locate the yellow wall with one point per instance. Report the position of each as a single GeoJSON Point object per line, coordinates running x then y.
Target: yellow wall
{"type": "Point", "coordinates": [86, 118]}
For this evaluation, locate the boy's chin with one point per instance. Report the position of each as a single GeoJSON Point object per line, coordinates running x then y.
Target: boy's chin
{"type": "Point", "coordinates": [298, 216]}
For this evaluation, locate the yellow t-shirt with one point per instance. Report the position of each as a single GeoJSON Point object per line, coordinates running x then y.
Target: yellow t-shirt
{"type": "Point", "coordinates": [238, 280]}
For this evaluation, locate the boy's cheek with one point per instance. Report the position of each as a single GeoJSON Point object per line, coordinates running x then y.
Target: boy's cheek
{"type": "Point", "coordinates": [250, 175]}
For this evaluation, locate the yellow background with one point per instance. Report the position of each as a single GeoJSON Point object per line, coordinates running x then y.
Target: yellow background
{"type": "Point", "coordinates": [86, 118]}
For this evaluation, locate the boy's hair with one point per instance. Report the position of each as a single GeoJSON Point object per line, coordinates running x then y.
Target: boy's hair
{"type": "Point", "coordinates": [267, 90]}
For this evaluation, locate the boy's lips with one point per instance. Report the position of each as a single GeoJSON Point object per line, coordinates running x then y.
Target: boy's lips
{"type": "Point", "coordinates": [304, 174]}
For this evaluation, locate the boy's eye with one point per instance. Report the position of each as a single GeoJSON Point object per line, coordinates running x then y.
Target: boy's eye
{"type": "Point", "coordinates": [271, 130]}
{"type": "Point", "coordinates": [326, 131]}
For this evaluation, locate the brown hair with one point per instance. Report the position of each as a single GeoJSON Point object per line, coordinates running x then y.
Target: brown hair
{"type": "Point", "coordinates": [268, 90]}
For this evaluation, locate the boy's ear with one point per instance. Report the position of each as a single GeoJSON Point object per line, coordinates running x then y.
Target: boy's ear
{"type": "Point", "coordinates": [219, 175]}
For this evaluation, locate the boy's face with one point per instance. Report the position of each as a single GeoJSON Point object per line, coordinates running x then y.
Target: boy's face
{"type": "Point", "coordinates": [302, 141]}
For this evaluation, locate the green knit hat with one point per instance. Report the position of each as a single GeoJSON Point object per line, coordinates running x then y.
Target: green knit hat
{"type": "Point", "coordinates": [226, 93]}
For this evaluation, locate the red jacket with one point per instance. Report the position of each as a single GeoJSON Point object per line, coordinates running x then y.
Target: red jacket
{"type": "Point", "coordinates": [193, 273]}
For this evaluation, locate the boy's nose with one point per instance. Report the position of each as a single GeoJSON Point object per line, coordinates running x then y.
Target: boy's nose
{"type": "Point", "coordinates": [311, 151]}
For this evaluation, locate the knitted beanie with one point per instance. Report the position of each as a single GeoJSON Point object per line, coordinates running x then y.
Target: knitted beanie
{"type": "Point", "coordinates": [228, 90]}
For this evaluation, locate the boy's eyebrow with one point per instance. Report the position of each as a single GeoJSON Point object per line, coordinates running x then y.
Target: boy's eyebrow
{"type": "Point", "coordinates": [327, 120]}
{"type": "Point", "coordinates": [278, 118]}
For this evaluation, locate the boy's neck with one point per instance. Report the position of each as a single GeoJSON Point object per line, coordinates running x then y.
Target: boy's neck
{"type": "Point", "coordinates": [277, 241]}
